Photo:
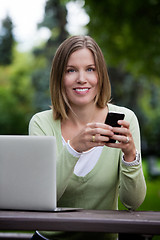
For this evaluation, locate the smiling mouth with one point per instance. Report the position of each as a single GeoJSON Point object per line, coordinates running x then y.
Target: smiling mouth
{"type": "Point", "coordinates": [81, 90]}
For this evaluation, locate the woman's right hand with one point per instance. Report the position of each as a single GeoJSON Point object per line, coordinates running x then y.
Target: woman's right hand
{"type": "Point", "coordinates": [92, 135]}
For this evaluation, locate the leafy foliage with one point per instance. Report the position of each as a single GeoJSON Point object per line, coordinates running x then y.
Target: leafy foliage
{"type": "Point", "coordinates": [6, 41]}
{"type": "Point", "coordinates": [54, 20]}
{"type": "Point", "coordinates": [16, 95]}
{"type": "Point", "coordinates": [128, 33]}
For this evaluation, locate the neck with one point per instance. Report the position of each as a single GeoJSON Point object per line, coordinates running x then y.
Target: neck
{"type": "Point", "coordinates": [87, 114]}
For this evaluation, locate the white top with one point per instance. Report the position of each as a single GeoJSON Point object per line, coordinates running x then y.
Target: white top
{"type": "Point", "coordinates": [87, 160]}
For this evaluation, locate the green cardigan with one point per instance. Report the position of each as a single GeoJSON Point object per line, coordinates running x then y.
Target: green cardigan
{"type": "Point", "coordinates": [110, 178]}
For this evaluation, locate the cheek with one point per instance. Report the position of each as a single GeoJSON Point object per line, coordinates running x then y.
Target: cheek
{"type": "Point", "coordinates": [68, 81]}
{"type": "Point", "coordinates": [94, 80]}
{"type": "Point", "coordinates": [95, 84]}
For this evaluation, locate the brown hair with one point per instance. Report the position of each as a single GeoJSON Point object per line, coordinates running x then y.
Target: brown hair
{"type": "Point", "coordinates": [58, 97]}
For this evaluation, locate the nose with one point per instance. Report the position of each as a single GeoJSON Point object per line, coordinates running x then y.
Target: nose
{"type": "Point", "coordinates": [81, 77]}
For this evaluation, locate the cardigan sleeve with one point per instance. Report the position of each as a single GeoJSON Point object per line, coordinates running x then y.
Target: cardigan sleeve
{"type": "Point", "coordinates": [132, 189]}
{"type": "Point", "coordinates": [42, 124]}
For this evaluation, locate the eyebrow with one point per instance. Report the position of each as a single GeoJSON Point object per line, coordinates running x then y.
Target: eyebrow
{"type": "Point", "coordinates": [90, 65]}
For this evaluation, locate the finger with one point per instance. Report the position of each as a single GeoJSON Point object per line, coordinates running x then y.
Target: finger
{"type": "Point", "coordinates": [113, 145]}
{"type": "Point", "coordinates": [100, 132]}
{"type": "Point", "coordinates": [121, 131]}
{"type": "Point", "coordinates": [123, 123]}
{"type": "Point", "coordinates": [100, 139]}
{"type": "Point", "coordinates": [103, 139]}
{"type": "Point", "coordinates": [117, 144]}
{"type": "Point", "coordinates": [123, 139]}
{"type": "Point", "coordinates": [99, 125]}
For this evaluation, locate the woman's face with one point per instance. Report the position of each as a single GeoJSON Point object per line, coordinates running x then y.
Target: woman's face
{"type": "Point", "coordinates": [81, 78]}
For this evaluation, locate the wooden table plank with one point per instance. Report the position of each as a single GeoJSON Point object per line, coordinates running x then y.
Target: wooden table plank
{"type": "Point", "coordinates": [83, 220]}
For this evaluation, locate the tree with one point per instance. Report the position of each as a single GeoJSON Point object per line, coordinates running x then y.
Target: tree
{"type": "Point", "coordinates": [128, 33]}
{"type": "Point", "coordinates": [55, 21]}
{"type": "Point", "coordinates": [6, 41]}
{"type": "Point", "coordinates": [16, 95]}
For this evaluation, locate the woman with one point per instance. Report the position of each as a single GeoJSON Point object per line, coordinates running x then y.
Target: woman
{"type": "Point", "coordinates": [91, 173]}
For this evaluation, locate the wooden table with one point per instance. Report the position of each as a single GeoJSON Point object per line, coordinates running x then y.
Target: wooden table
{"type": "Point", "coordinates": [83, 220]}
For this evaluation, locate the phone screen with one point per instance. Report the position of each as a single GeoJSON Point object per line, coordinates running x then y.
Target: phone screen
{"type": "Point", "coordinates": [112, 119]}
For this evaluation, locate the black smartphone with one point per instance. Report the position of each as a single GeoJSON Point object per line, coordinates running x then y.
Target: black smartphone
{"type": "Point", "coordinates": [112, 119]}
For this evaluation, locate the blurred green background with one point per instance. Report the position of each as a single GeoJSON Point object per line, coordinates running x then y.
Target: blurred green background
{"type": "Point", "coordinates": [128, 33]}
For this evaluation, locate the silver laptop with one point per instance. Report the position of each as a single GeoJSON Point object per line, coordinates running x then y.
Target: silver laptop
{"type": "Point", "coordinates": [28, 173]}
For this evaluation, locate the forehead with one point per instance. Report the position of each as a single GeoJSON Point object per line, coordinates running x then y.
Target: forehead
{"type": "Point", "coordinates": [82, 55]}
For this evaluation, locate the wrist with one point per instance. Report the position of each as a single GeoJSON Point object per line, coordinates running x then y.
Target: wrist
{"type": "Point", "coordinates": [130, 157]}
{"type": "Point", "coordinates": [135, 162]}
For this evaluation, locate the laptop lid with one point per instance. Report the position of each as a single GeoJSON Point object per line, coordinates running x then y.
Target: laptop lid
{"type": "Point", "coordinates": [28, 172]}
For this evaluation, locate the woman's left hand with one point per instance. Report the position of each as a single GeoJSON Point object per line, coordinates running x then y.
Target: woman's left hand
{"type": "Point", "coordinates": [124, 140]}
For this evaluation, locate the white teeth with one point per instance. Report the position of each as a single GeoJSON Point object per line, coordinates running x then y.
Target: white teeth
{"type": "Point", "coordinates": [81, 90]}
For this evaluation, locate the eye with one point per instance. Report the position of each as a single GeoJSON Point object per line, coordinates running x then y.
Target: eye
{"type": "Point", "coordinates": [70, 70]}
{"type": "Point", "coordinates": [91, 69]}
